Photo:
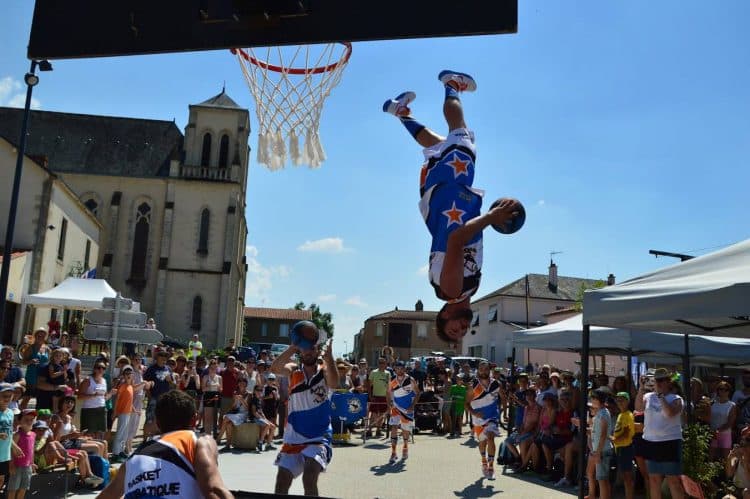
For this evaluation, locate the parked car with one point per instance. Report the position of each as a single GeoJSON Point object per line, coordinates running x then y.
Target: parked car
{"type": "Point", "coordinates": [456, 363]}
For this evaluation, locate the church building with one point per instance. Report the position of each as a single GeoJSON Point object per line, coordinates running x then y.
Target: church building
{"type": "Point", "coordinates": [172, 207]}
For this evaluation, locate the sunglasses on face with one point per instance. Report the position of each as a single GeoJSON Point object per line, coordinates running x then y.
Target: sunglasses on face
{"type": "Point", "coordinates": [98, 367]}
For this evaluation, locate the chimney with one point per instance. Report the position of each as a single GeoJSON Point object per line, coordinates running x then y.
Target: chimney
{"type": "Point", "coordinates": [419, 307]}
{"type": "Point", "coordinates": [610, 279]}
{"type": "Point", "coordinates": [552, 276]}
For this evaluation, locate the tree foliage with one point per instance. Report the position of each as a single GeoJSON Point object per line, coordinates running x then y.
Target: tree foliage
{"type": "Point", "coordinates": [578, 306]}
{"type": "Point", "coordinates": [322, 320]}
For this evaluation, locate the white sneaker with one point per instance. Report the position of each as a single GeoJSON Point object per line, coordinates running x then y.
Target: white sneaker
{"type": "Point", "coordinates": [393, 459]}
{"type": "Point", "coordinates": [463, 81]}
{"type": "Point", "coordinates": [93, 481]}
{"type": "Point", "coordinates": [400, 105]}
{"type": "Point", "coordinates": [563, 482]}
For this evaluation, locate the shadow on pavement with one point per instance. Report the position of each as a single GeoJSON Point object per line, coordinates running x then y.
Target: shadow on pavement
{"type": "Point", "coordinates": [470, 442]}
{"type": "Point", "coordinates": [477, 489]}
{"type": "Point", "coordinates": [386, 469]}
{"type": "Point", "coordinates": [376, 446]}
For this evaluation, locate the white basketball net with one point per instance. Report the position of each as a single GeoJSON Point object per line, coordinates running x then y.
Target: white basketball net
{"type": "Point", "coordinates": [290, 85]}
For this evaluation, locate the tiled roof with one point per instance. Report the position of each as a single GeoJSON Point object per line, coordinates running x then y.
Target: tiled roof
{"type": "Point", "coordinates": [100, 145]}
{"type": "Point", "coordinates": [220, 100]}
{"type": "Point", "coordinates": [568, 288]}
{"type": "Point", "coordinates": [289, 314]}
{"type": "Point", "coordinates": [410, 315]}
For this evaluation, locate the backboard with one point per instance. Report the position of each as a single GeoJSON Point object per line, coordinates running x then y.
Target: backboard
{"type": "Point", "coordinates": [96, 28]}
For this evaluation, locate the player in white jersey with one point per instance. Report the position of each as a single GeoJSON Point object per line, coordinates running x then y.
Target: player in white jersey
{"type": "Point", "coordinates": [483, 403]}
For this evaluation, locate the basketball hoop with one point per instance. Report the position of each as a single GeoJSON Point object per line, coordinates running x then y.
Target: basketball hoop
{"type": "Point", "coordinates": [290, 85]}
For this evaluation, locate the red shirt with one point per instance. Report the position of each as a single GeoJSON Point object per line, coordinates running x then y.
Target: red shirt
{"type": "Point", "coordinates": [229, 382]}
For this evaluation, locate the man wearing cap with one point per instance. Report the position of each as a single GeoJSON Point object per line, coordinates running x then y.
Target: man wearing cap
{"type": "Point", "coordinates": [195, 346]}
{"type": "Point", "coordinates": [229, 376]}
{"type": "Point", "coordinates": [159, 380]}
{"type": "Point", "coordinates": [662, 433]}
{"type": "Point", "coordinates": [402, 396]}
{"type": "Point", "coordinates": [307, 437]}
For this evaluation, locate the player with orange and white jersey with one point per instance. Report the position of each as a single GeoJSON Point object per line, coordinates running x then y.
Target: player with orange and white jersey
{"type": "Point", "coordinates": [482, 402]}
{"type": "Point", "coordinates": [402, 396]}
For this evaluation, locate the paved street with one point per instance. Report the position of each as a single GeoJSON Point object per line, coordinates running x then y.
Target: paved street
{"type": "Point", "coordinates": [437, 468]}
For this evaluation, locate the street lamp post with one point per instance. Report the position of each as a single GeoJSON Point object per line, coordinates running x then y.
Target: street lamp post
{"type": "Point", "coordinates": [31, 80]}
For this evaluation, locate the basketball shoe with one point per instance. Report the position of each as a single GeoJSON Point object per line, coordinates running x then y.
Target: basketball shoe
{"type": "Point", "coordinates": [400, 105]}
{"type": "Point", "coordinates": [462, 81]}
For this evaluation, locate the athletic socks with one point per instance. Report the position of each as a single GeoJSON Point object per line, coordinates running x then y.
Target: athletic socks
{"type": "Point", "coordinates": [451, 93]}
{"type": "Point", "coordinates": [412, 125]}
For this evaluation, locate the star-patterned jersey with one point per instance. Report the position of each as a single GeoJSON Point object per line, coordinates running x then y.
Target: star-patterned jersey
{"type": "Point", "coordinates": [309, 409]}
{"type": "Point", "coordinates": [448, 202]}
{"type": "Point", "coordinates": [485, 402]}
{"type": "Point", "coordinates": [403, 397]}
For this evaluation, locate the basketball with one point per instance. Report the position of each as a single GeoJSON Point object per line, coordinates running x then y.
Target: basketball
{"type": "Point", "coordinates": [515, 224]}
{"type": "Point", "coordinates": [305, 335]}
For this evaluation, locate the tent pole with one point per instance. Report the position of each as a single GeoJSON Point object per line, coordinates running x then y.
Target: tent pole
{"type": "Point", "coordinates": [630, 372]}
{"type": "Point", "coordinates": [721, 370]}
{"type": "Point", "coordinates": [686, 380]}
{"type": "Point", "coordinates": [582, 408]}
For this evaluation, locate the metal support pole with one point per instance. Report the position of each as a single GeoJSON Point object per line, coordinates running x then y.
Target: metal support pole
{"type": "Point", "coordinates": [583, 408]}
{"type": "Point", "coordinates": [686, 380]}
{"type": "Point", "coordinates": [630, 371]}
{"type": "Point", "coordinates": [5, 271]}
{"type": "Point", "coordinates": [113, 338]}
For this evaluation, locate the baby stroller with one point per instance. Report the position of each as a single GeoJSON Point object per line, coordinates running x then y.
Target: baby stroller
{"type": "Point", "coordinates": [427, 413]}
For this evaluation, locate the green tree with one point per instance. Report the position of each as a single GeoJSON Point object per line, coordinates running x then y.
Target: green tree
{"type": "Point", "coordinates": [578, 306]}
{"type": "Point", "coordinates": [322, 320]}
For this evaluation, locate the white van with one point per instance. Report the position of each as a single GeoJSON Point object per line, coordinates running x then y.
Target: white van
{"type": "Point", "coordinates": [457, 362]}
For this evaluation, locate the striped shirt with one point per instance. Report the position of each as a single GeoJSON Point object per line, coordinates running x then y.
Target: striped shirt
{"type": "Point", "coordinates": [309, 409]}
{"type": "Point", "coordinates": [484, 401]}
{"type": "Point", "coordinates": [403, 396]}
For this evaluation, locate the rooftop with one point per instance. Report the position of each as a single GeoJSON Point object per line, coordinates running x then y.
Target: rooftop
{"type": "Point", "coordinates": [220, 100]}
{"type": "Point", "coordinates": [568, 288]}
{"type": "Point", "coordinates": [289, 314]}
{"type": "Point", "coordinates": [411, 315]}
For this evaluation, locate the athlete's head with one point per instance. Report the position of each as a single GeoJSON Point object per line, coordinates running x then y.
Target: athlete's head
{"type": "Point", "coordinates": [309, 356]}
{"type": "Point", "coordinates": [483, 370]}
{"type": "Point", "coordinates": [175, 410]}
{"type": "Point", "coordinates": [400, 367]}
{"type": "Point", "coordinates": [453, 322]}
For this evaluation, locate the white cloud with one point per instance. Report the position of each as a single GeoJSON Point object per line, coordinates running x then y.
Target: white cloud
{"type": "Point", "coordinates": [12, 94]}
{"type": "Point", "coordinates": [423, 270]}
{"type": "Point", "coordinates": [325, 298]}
{"type": "Point", "coordinates": [259, 279]}
{"type": "Point", "coordinates": [356, 301]}
{"type": "Point", "coordinates": [540, 202]}
{"type": "Point", "coordinates": [325, 245]}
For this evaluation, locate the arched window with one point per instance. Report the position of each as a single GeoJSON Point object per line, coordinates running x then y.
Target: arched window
{"type": "Point", "coordinates": [224, 151]}
{"type": "Point", "coordinates": [206, 150]}
{"type": "Point", "coordinates": [203, 235]}
{"type": "Point", "coordinates": [195, 323]}
{"type": "Point", "coordinates": [140, 243]}
{"type": "Point", "coordinates": [92, 206]}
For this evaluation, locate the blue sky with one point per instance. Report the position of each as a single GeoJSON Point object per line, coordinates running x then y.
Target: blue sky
{"type": "Point", "coordinates": [622, 127]}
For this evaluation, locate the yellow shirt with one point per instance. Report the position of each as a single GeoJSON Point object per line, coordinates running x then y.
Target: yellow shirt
{"type": "Point", "coordinates": [624, 429]}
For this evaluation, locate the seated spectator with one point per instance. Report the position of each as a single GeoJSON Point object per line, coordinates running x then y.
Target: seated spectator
{"type": "Point", "coordinates": [65, 432]}
{"type": "Point", "coordinates": [237, 415]}
{"type": "Point", "coordinates": [723, 415]}
{"type": "Point", "coordinates": [49, 452]}
{"type": "Point", "coordinates": [267, 428]}
{"type": "Point", "coordinates": [737, 466]}
{"type": "Point", "coordinates": [547, 418]}
{"type": "Point", "coordinates": [519, 442]}
{"type": "Point", "coordinates": [562, 440]}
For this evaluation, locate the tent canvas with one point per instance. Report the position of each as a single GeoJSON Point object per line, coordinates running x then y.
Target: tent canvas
{"type": "Point", "coordinates": [73, 293]}
{"type": "Point", "coordinates": [706, 295]}
{"type": "Point", "coordinates": [565, 336]}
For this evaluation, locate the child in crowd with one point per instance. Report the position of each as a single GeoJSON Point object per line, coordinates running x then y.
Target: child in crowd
{"type": "Point", "coordinates": [458, 399]}
{"type": "Point", "coordinates": [123, 412]}
{"type": "Point", "coordinates": [600, 444]}
{"type": "Point", "coordinates": [267, 428]}
{"type": "Point", "coordinates": [6, 431]}
{"type": "Point", "coordinates": [623, 441]}
{"type": "Point", "coordinates": [18, 390]}
{"type": "Point", "coordinates": [22, 465]}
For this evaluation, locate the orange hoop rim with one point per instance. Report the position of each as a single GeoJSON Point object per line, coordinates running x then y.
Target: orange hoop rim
{"type": "Point", "coordinates": [296, 71]}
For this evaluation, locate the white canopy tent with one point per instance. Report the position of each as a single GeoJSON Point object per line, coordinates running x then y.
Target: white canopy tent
{"type": "Point", "coordinates": [707, 295]}
{"type": "Point", "coordinates": [565, 336]}
{"type": "Point", "coordinates": [74, 294]}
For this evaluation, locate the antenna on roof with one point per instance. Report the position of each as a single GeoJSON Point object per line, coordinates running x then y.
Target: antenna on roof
{"type": "Point", "coordinates": [224, 86]}
{"type": "Point", "coordinates": [553, 253]}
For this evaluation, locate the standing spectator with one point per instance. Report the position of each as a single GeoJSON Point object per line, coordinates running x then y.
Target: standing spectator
{"type": "Point", "coordinates": [123, 412]}
{"type": "Point", "coordinates": [600, 446]}
{"type": "Point", "coordinates": [195, 346]}
{"type": "Point", "coordinates": [37, 356]}
{"type": "Point", "coordinates": [211, 386]}
{"type": "Point", "coordinates": [662, 432]}
{"type": "Point", "coordinates": [723, 416]}
{"type": "Point", "coordinates": [93, 395]}
{"type": "Point", "coordinates": [457, 403]}
{"type": "Point", "coordinates": [283, 384]}
{"type": "Point", "coordinates": [377, 388]}
{"type": "Point", "coordinates": [6, 431]}
{"type": "Point", "coordinates": [345, 383]}
{"type": "Point", "coordinates": [190, 382]}
{"type": "Point", "coordinates": [229, 376]}
{"type": "Point", "coordinates": [737, 466]}
{"type": "Point", "coordinates": [419, 375]}
{"type": "Point", "coordinates": [639, 446]}
{"type": "Point", "coordinates": [742, 399]}
{"type": "Point", "coordinates": [20, 470]}
{"type": "Point", "coordinates": [356, 380]}
{"type": "Point", "coordinates": [622, 438]}
{"type": "Point", "coordinates": [134, 423]}
{"type": "Point", "coordinates": [230, 349]}
{"type": "Point", "coordinates": [151, 324]}
{"type": "Point", "coordinates": [543, 387]}
{"type": "Point", "coordinates": [159, 380]}
{"type": "Point", "coordinates": [271, 398]}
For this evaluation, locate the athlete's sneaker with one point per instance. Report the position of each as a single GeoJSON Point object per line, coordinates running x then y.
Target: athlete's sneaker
{"type": "Point", "coordinates": [491, 472]}
{"type": "Point", "coordinates": [485, 470]}
{"type": "Point", "coordinates": [393, 459]}
{"type": "Point", "coordinates": [400, 105]}
{"type": "Point", "coordinates": [405, 455]}
{"type": "Point", "coordinates": [463, 82]}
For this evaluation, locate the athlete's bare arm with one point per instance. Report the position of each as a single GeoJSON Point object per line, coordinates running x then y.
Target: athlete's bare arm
{"type": "Point", "coordinates": [415, 389]}
{"type": "Point", "coordinates": [452, 275]}
{"type": "Point", "coordinates": [207, 470]}
{"type": "Point", "coordinates": [281, 365]}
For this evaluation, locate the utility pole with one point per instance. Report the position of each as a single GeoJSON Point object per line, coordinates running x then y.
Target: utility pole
{"type": "Point", "coordinates": [682, 257]}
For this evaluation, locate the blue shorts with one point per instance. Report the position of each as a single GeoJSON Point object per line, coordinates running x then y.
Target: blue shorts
{"type": "Point", "coordinates": [602, 467]}
{"type": "Point", "coordinates": [667, 468]}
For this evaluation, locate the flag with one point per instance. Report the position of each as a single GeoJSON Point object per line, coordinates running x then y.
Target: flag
{"type": "Point", "coordinates": [349, 407]}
